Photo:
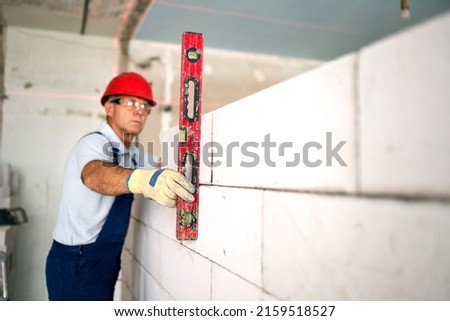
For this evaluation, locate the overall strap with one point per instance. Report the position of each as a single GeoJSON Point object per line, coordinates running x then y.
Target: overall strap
{"type": "Point", "coordinates": [114, 150]}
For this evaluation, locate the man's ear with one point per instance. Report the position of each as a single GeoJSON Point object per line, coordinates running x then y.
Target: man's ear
{"type": "Point", "coordinates": [109, 108]}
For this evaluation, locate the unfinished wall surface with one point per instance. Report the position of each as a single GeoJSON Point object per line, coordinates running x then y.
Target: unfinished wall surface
{"type": "Point", "coordinates": [53, 82]}
{"type": "Point", "coordinates": [333, 185]}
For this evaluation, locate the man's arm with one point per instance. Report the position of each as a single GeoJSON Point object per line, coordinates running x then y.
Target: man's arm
{"type": "Point", "coordinates": [161, 185]}
{"type": "Point", "coordinates": [105, 177]}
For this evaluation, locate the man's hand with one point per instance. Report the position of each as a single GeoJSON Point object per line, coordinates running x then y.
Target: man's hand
{"type": "Point", "coordinates": [161, 185]}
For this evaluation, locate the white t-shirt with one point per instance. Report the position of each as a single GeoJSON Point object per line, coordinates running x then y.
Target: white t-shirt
{"type": "Point", "coordinates": [82, 212]}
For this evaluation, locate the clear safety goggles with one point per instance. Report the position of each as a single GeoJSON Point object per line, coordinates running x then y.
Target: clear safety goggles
{"type": "Point", "coordinates": [132, 104]}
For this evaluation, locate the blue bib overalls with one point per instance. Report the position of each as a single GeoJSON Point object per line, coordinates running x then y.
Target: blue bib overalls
{"type": "Point", "coordinates": [89, 272]}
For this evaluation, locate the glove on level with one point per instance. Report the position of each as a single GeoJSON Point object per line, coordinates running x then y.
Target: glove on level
{"type": "Point", "coordinates": [161, 185]}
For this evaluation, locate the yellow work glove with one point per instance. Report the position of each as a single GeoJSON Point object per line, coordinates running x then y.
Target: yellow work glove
{"type": "Point", "coordinates": [161, 185]}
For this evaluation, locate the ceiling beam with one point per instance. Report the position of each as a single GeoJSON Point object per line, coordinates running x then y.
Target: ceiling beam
{"type": "Point", "coordinates": [132, 21]}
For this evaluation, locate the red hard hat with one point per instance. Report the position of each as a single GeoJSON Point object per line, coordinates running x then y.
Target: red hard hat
{"type": "Point", "coordinates": [130, 84]}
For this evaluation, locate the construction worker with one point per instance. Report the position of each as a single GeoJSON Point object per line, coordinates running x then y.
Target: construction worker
{"type": "Point", "coordinates": [102, 173]}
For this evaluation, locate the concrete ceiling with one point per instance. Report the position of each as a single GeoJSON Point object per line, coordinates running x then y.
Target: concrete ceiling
{"type": "Point", "coordinates": [311, 29]}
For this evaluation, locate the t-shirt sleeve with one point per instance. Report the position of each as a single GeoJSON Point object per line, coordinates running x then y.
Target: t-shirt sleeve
{"type": "Point", "coordinates": [92, 147]}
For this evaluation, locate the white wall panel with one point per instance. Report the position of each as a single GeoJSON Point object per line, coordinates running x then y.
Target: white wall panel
{"type": "Point", "coordinates": [345, 248]}
{"type": "Point", "coordinates": [227, 286]}
{"type": "Point", "coordinates": [230, 230]}
{"type": "Point", "coordinates": [405, 113]}
{"type": "Point", "coordinates": [263, 139]}
{"type": "Point", "coordinates": [185, 275]}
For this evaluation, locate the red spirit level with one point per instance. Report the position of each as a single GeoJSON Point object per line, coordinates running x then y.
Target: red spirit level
{"type": "Point", "coordinates": [190, 123]}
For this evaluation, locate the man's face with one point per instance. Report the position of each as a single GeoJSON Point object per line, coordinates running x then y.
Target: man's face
{"type": "Point", "coordinates": [126, 115]}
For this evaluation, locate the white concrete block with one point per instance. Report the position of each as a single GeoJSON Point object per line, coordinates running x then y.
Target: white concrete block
{"type": "Point", "coordinates": [137, 284]}
{"type": "Point", "coordinates": [132, 231]}
{"type": "Point", "coordinates": [126, 274]}
{"type": "Point", "coordinates": [344, 248]}
{"type": "Point", "coordinates": [185, 274]}
{"type": "Point", "coordinates": [118, 291]}
{"type": "Point", "coordinates": [142, 271]}
{"type": "Point", "coordinates": [137, 239]}
{"type": "Point", "coordinates": [131, 285]}
{"type": "Point", "coordinates": [405, 114]}
{"type": "Point", "coordinates": [277, 138]}
{"type": "Point", "coordinates": [230, 230]}
{"type": "Point", "coordinates": [269, 297]}
{"type": "Point", "coordinates": [151, 259]}
{"type": "Point", "coordinates": [125, 295]}
{"type": "Point", "coordinates": [154, 291]}
{"type": "Point", "coordinates": [141, 243]}
{"type": "Point", "coordinates": [227, 286]}
{"type": "Point", "coordinates": [206, 151]}
{"type": "Point", "coordinates": [141, 283]}
{"type": "Point", "coordinates": [159, 218]}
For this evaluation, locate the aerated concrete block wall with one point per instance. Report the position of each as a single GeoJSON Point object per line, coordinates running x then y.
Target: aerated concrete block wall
{"type": "Point", "coordinates": [362, 214]}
